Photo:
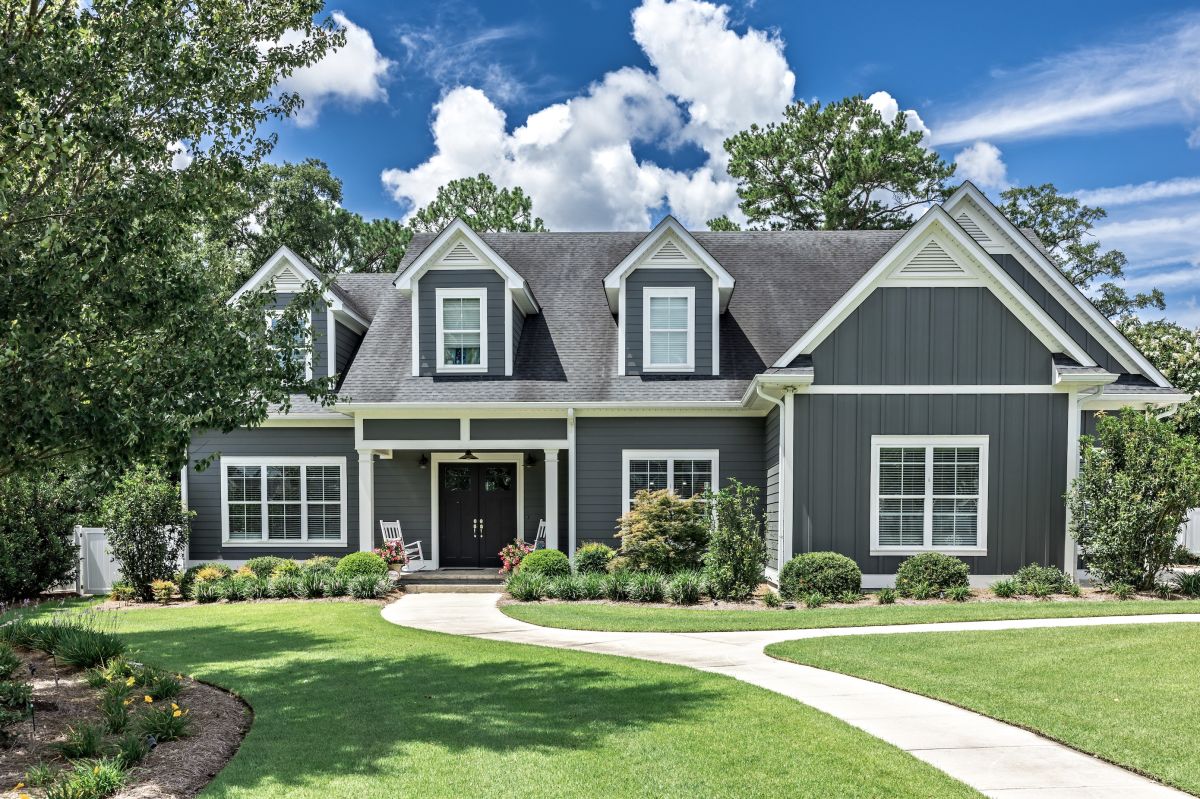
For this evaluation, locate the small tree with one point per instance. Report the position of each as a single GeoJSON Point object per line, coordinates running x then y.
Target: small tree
{"type": "Point", "coordinates": [737, 547]}
{"type": "Point", "coordinates": [147, 528]}
{"type": "Point", "coordinates": [37, 551]}
{"type": "Point", "coordinates": [1137, 481]}
{"type": "Point", "coordinates": [663, 532]}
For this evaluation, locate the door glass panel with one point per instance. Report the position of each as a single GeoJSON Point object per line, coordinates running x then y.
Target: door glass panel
{"type": "Point", "coordinates": [497, 478]}
{"type": "Point", "coordinates": [457, 478]}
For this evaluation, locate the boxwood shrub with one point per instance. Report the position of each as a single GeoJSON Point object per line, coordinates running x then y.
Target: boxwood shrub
{"type": "Point", "coordinates": [549, 562]}
{"type": "Point", "coordinates": [931, 570]}
{"type": "Point", "coordinates": [362, 564]}
{"type": "Point", "coordinates": [825, 573]}
{"type": "Point", "coordinates": [264, 565]}
{"type": "Point", "coordinates": [1034, 575]}
{"type": "Point", "coordinates": [593, 558]}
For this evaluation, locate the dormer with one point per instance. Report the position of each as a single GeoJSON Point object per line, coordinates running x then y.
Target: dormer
{"type": "Point", "coordinates": [336, 326]}
{"type": "Point", "coordinates": [468, 306]}
{"type": "Point", "coordinates": [668, 295]}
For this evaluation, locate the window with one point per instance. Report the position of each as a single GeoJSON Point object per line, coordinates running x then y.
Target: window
{"type": "Point", "coordinates": [462, 330]}
{"type": "Point", "coordinates": [686, 472]}
{"type": "Point", "coordinates": [284, 501]}
{"type": "Point", "coordinates": [301, 341]}
{"type": "Point", "coordinates": [929, 494]}
{"type": "Point", "coordinates": [669, 330]}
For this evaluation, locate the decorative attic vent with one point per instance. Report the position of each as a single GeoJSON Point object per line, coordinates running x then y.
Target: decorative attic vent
{"type": "Point", "coordinates": [460, 254]}
{"type": "Point", "coordinates": [972, 227]}
{"type": "Point", "coordinates": [669, 253]}
{"type": "Point", "coordinates": [286, 280]}
{"type": "Point", "coordinates": [932, 261]}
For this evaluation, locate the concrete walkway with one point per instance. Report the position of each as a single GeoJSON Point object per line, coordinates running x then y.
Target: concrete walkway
{"type": "Point", "coordinates": [995, 758]}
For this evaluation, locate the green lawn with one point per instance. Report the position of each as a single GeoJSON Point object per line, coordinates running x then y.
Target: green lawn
{"type": "Point", "coordinates": [1125, 693]}
{"type": "Point", "coordinates": [348, 705]}
{"type": "Point", "coordinates": [637, 618]}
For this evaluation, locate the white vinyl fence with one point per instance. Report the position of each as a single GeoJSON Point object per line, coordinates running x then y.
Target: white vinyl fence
{"type": "Point", "coordinates": [97, 571]}
{"type": "Point", "coordinates": [1189, 534]}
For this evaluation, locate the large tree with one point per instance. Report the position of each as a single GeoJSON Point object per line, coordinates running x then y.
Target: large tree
{"type": "Point", "coordinates": [116, 340]}
{"type": "Point", "coordinates": [1175, 351]}
{"type": "Point", "coordinates": [830, 167]}
{"type": "Point", "coordinates": [1064, 225]}
{"type": "Point", "coordinates": [483, 206]}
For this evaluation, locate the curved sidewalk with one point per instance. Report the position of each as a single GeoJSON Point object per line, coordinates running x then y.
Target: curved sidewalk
{"type": "Point", "coordinates": [994, 758]}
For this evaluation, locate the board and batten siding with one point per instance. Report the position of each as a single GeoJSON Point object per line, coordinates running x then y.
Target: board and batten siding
{"type": "Point", "coordinates": [204, 487]}
{"type": "Point", "coordinates": [645, 277]}
{"type": "Point", "coordinates": [771, 495]}
{"type": "Point", "coordinates": [599, 442]}
{"type": "Point", "coordinates": [1026, 470]}
{"type": "Point", "coordinates": [497, 296]}
{"type": "Point", "coordinates": [934, 336]}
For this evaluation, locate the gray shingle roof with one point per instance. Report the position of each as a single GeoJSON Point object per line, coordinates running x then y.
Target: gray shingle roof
{"type": "Point", "coordinates": [568, 353]}
{"type": "Point", "coordinates": [363, 293]}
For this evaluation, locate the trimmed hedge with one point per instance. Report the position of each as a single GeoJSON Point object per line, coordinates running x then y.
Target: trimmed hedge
{"type": "Point", "coordinates": [593, 558]}
{"type": "Point", "coordinates": [825, 573]}
{"type": "Point", "coordinates": [549, 562]}
{"type": "Point", "coordinates": [362, 564]}
{"type": "Point", "coordinates": [932, 569]}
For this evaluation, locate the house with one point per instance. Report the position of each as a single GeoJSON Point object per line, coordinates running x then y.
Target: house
{"type": "Point", "coordinates": [890, 392]}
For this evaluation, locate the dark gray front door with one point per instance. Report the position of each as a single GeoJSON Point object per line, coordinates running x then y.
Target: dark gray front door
{"type": "Point", "coordinates": [477, 513]}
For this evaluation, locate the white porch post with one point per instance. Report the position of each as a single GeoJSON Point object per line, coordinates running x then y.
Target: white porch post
{"type": "Point", "coordinates": [366, 500]}
{"type": "Point", "coordinates": [1070, 552]}
{"type": "Point", "coordinates": [551, 499]}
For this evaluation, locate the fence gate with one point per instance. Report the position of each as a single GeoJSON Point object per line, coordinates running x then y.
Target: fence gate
{"type": "Point", "coordinates": [1189, 533]}
{"type": "Point", "coordinates": [97, 571]}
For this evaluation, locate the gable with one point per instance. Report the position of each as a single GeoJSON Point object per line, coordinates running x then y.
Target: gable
{"type": "Point", "coordinates": [669, 245]}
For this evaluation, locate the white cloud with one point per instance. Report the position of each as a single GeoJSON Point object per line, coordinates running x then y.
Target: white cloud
{"type": "Point", "coordinates": [352, 74]}
{"type": "Point", "coordinates": [456, 49]}
{"type": "Point", "coordinates": [1133, 193]}
{"type": "Point", "coordinates": [577, 158]}
{"type": "Point", "coordinates": [1149, 80]}
{"type": "Point", "coordinates": [888, 108]}
{"type": "Point", "coordinates": [981, 164]}
{"type": "Point", "coordinates": [180, 157]}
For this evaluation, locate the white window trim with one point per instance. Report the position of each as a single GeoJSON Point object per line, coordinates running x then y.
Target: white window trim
{"type": "Point", "coordinates": [277, 313]}
{"type": "Point", "coordinates": [670, 456]}
{"type": "Point", "coordinates": [929, 442]}
{"type": "Point", "coordinates": [657, 292]}
{"type": "Point", "coordinates": [462, 294]}
{"type": "Point", "coordinates": [263, 462]}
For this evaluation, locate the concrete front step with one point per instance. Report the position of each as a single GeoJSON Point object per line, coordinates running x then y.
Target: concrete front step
{"type": "Point", "coordinates": [429, 587]}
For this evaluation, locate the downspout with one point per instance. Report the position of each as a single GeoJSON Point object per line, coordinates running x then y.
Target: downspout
{"type": "Point", "coordinates": [783, 515]}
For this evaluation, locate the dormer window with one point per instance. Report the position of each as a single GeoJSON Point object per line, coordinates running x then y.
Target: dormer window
{"type": "Point", "coordinates": [461, 322]}
{"type": "Point", "coordinates": [669, 338]}
{"type": "Point", "coordinates": [274, 317]}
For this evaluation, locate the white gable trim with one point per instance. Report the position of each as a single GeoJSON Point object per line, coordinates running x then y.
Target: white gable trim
{"type": "Point", "coordinates": [669, 246]}
{"type": "Point", "coordinates": [286, 258]}
{"type": "Point", "coordinates": [970, 199]}
{"type": "Point", "coordinates": [937, 225]}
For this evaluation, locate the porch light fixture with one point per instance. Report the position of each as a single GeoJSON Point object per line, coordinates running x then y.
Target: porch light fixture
{"type": "Point", "coordinates": [424, 461]}
{"type": "Point", "coordinates": [467, 456]}
{"type": "Point", "coordinates": [530, 461]}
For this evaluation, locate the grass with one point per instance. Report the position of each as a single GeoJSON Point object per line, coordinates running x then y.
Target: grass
{"type": "Point", "coordinates": [636, 618]}
{"type": "Point", "coordinates": [347, 704]}
{"type": "Point", "coordinates": [1125, 693]}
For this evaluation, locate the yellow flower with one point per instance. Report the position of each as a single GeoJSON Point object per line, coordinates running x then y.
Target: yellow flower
{"type": "Point", "coordinates": [18, 786]}
{"type": "Point", "coordinates": [177, 714]}
{"type": "Point", "coordinates": [130, 681]}
{"type": "Point", "coordinates": [96, 770]}
{"type": "Point", "coordinates": [23, 796]}
{"type": "Point", "coordinates": [174, 706]}
{"type": "Point", "coordinates": [149, 700]}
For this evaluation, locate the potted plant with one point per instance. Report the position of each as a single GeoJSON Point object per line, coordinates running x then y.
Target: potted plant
{"type": "Point", "coordinates": [512, 554]}
{"type": "Point", "coordinates": [393, 553]}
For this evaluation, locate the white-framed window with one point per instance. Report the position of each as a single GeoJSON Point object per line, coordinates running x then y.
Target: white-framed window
{"type": "Point", "coordinates": [929, 493]}
{"type": "Point", "coordinates": [687, 472]}
{"type": "Point", "coordinates": [302, 341]}
{"type": "Point", "coordinates": [669, 329]}
{"type": "Point", "coordinates": [461, 330]}
{"type": "Point", "coordinates": [282, 501]}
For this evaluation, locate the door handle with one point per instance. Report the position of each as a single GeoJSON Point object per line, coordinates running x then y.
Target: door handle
{"type": "Point", "coordinates": [474, 528]}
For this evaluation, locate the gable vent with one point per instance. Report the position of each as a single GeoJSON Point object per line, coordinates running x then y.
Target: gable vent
{"type": "Point", "coordinates": [669, 253]}
{"type": "Point", "coordinates": [460, 254]}
{"type": "Point", "coordinates": [932, 261]}
{"type": "Point", "coordinates": [286, 279]}
{"type": "Point", "coordinates": [972, 227]}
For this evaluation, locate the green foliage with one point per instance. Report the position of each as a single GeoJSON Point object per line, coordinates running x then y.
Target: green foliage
{"type": "Point", "coordinates": [833, 167]}
{"type": "Point", "coordinates": [131, 749]}
{"type": "Point", "coordinates": [828, 573]}
{"type": "Point", "coordinates": [288, 567]}
{"type": "Point", "coordinates": [1165, 590]}
{"type": "Point", "coordinates": [115, 713]}
{"type": "Point", "coordinates": [264, 565]}
{"type": "Point", "coordinates": [39, 775]}
{"type": "Point", "coordinates": [958, 593]}
{"type": "Point", "coordinates": [122, 592]}
{"type": "Point", "coordinates": [1054, 579]}
{"type": "Point", "coordinates": [937, 571]}
{"type": "Point", "coordinates": [593, 558]}
{"type": "Point", "coordinates": [1175, 351]}
{"type": "Point", "coordinates": [211, 571]}
{"type": "Point", "coordinates": [1074, 590]}
{"type": "Point", "coordinates": [335, 584]}
{"type": "Point", "coordinates": [815, 599]}
{"type": "Point", "coordinates": [9, 662]}
{"type": "Point", "coordinates": [368, 586]}
{"type": "Point", "coordinates": [617, 586]}
{"type": "Point", "coordinates": [663, 532]}
{"type": "Point", "coordinates": [592, 585]}
{"type": "Point", "coordinates": [37, 549]}
{"type": "Point", "coordinates": [483, 206]}
{"type": "Point", "coordinates": [772, 599]}
{"type": "Point", "coordinates": [1122, 591]}
{"type": "Point", "coordinates": [118, 339]}
{"type": "Point", "coordinates": [312, 584]}
{"type": "Point", "coordinates": [1064, 225]}
{"type": "Point", "coordinates": [566, 587]}
{"type": "Point", "coordinates": [159, 683]}
{"type": "Point", "coordinates": [527, 586]}
{"type": "Point", "coordinates": [163, 590]}
{"type": "Point", "coordinates": [238, 587]}
{"type": "Point", "coordinates": [685, 587]}
{"type": "Point", "coordinates": [362, 564]}
{"type": "Point", "coordinates": [737, 546]}
{"type": "Point", "coordinates": [1188, 583]}
{"type": "Point", "coordinates": [147, 528]}
{"type": "Point", "coordinates": [320, 564]}
{"type": "Point", "coordinates": [922, 590]}
{"type": "Point", "coordinates": [1137, 480]}
{"type": "Point", "coordinates": [1005, 588]}
{"type": "Point", "coordinates": [647, 587]}
{"type": "Point", "coordinates": [208, 592]}
{"type": "Point", "coordinates": [886, 596]}
{"type": "Point", "coordinates": [82, 740]}
{"type": "Point", "coordinates": [549, 562]}
{"type": "Point", "coordinates": [167, 722]}
{"type": "Point", "coordinates": [849, 597]}
{"type": "Point", "coordinates": [90, 779]}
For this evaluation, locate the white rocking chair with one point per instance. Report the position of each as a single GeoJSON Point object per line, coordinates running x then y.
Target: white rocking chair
{"type": "Point", "coordinates": [539, 539]}
{"type": "Point", "coordinates": [416, 557]}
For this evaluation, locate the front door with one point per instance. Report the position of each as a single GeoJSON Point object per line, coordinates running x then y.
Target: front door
{"type": "Point", "coordinates": [477, 512]}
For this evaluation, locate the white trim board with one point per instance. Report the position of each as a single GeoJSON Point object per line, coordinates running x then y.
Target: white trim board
{"type": "Point", "coordinates": [286, 257]}
{"type": "Point", "coordinates": [438, 458]}
{"type": "Point", "coordinates": [693, 256]}
{"type": "Point", "coordinates": [264, 461]}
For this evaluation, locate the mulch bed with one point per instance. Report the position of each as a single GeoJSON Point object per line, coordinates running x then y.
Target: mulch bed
{"type": "Point", "coordinates": [174, 770]}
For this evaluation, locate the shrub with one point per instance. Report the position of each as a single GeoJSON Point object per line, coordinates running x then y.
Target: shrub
{"type": "Point", "coordinates": [646, 587]}
{"type": "Point", "coordinates": [549, 562]}
{"type": "Point", "coordinates": [165, 723]}
{"type": "Point", "coordinates": [265, 565]}
{"type": "Point", "coordinates": [527, 586]}
{"type": "Point", "coordinates": [1137, 480]}
{"type": "Point", "coordinates": [362, 564]}
{"type": "Point", "coordinates": [1164, 590]}
{"type": "Point", "coordinates": [1004, 588]}
{"type": "Point", "coordinates": [82, 740]}
{"type": "Point", "coordinates": [959, 593]}
{"type": "Point", "coordinates": [9, 662]}
{"type": "Point", "coordinates": [616, 586]}
{"type": "Point", "coordinates": [211, 572]}
{"type": "Point", "coordinates": [1182, 556]}
{"type": "Point", "coordinates": [286, 567]}
{"type": "Point", "coordinates": [815, 599]}
{"type": "Point", "coordinates": [115, 712]}
{"type": "Point", "coordinates": [935, 570]}
{"type": "Point", "coordinates": [737, 545]}
{"type": "Point", "coordinates": [593, 558]}
{"type": "Point", "coordinates": [336, 585]}
{"type": "Point", "coordinates": [367, 586]}
{"type": "Point", "coordinates": [1121, 591]}
{"type": "Point", "coordinates": [1188, 583]}
{"type": "Point", "coordinates": [685, 587]}
{"type": "Point", "coordinates": [164, 591]}
{"type": "Point", "coordinates": [512, 554]}
{"type": "Point", "coordinates": [83, 646]}
{"type": "Point", "coordinates": [37, 549]}
{"type": "Point", "coordinates": [237, 588]}
{"type": "Point", "coordinates": [1056, 580]}
{"type": "Point", "coordinates": [159, 683]}
{"type": "Point", "coordinates": [131, 749]}
{"type": "Point", "coordinates": [849, 597]}
{"type": "Point", "coordinates": [1074, 590]}
{"type": "Point", "coordinates": [321, 564]}
{"type": "Point", "coordinates": [39, 775]}
{"type": "Point", "coordinates": [772, 599]}
{"type": "Point", "coordinates": [922, 590]}
{"type": "Point", "coordinates": [89, 779]}
{"type": "Point", "coordinates": [312, 584]}
{"type": "Point", "coordinates": [205, 593]}
{"type": "Point", "coordinates": [122, 591]}
{"type": "Point", "coordinates": [591, 584]}
{"type": "Point", "coordinates": [147, 528]}
{"type": "Point", "coordinates": [824, 572]}
{"type": "Point", "coordinates": [1039, 590]}
{"type": "Point", "coordinates": [886, 596]}
{"type": "Point", "coordinates": [565, 587]}
{"type": "Point", "coordinates": [663, 532]}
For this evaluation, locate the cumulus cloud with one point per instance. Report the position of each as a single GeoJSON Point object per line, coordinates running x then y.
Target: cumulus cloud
{"type": "Point", "coordinates": [1132, 193]}
{"type": "Point", "coordinates": [578, 158]}
{"type": "Point", "coordinates": [981, 164]}
{"type": "Point", "coordinates": [180, 157]}
{"type": "Point", "coordinates": [889, 108]}
{"type": "Point", "coordinates": [352, 74]}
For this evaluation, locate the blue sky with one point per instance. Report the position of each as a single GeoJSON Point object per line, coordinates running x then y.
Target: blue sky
{"type": "Point", "coordinates": [611, 114]}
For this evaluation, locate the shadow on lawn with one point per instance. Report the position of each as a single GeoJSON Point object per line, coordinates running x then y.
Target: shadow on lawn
{"type": "Point", "coordinates": [359, 700]}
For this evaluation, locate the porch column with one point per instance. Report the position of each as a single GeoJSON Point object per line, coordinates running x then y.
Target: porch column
{"type": "Point", "coordinates": [366, 500]}
{"type": "Point", "coordinates": [551, 499]}
{"type": "Point", "coordinates": [1071, 551]}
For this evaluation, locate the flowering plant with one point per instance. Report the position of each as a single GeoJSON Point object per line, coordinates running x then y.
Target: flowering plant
{"type": "Point", "coordinates": [393, 553]}
{"type": "Point", "coordinates": [512, 555]}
